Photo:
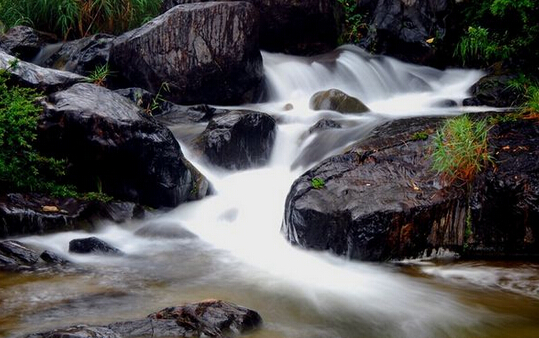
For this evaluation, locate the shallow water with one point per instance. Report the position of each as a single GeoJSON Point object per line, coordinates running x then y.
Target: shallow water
{"type": "Point", "coordinates": [233, 249]}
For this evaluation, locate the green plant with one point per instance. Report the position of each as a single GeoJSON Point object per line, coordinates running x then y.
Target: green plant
{"type": "Point", "coordinates": [21, 166]}
{"type": "Point", "coordinates": [158, 99]}
{"type": "Point", "coordinates": [460, 148]}
{"type": "Point", "coordinates": [100, 74]}
{"type": "Point", "coordinates": [420, 136]}
{"type": "Point", "coordinates": [79, 18]}
{"type": "Point", "coordinates": [354, 22]}
{"type": "Point", "coordinates": [318, 183]}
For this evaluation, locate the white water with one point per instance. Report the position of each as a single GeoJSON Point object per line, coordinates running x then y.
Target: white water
{"type": "Point", "coordinates": [239, 252]}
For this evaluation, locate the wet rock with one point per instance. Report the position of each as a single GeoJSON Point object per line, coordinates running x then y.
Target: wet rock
{"type": "Point", "coordinates": [92, 245]}
{"type": "Point", "coordinates": [324, 124]}
{"type": "Point", "coordinates": [24, 42]}
{"type": "Point", "coordinates": [53, 258]}
{"type": "Point", "coordinates": [210, 318]}
{"type": "Point", "coordinates": [448, 103]}
{"type": "Point", "coordinates": [42, 79]}
{"type": "Point", "coordinates": [110, 142]}
{"type": "Point", "coordinates": [79, 331]}
{"type": "Point", "coordinates": [336, 100]}
{"type": "Point", "coordinates": [164, 230]}
{"type": "Point", "coordinates": [401, 28]}
{"type": "Point", "coordinates": [378, 201]}
{"type": "Point", "coordinates": [494, 91]}
{"type": "Point", "coordinates": [17, 252]}
{"type": "Point", "coordinates": [238, 140]}
{"type": "Point", "coordinates": [504, 201]}
{"type": "Point", "coordinates": [80, 56]}
{"type": "Point", "coordinates": [216, 60]}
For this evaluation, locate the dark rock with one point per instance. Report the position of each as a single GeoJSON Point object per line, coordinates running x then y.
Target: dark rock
{"type": "Point", "coordinates": [141, 97]}
{"type": "Point", "coordinates": [24, 42]}
{"type": "Point", "coordinates": [92, 245]}
{"type": "Point", "coordinates": [448, 103]}
{"type": "Point", "coordinates": [238, 140]}
{"type": "Point", "coordinates": [216, 59]}
{"type": "Point", "coordinates": [379, 201]}
{"type": "Point", "coordinates": [214, 318]}
{"type": "Point", "coordinates": [494, 91]}
{"type": "Point", "coordinates": [401, 28]}
{"type": "Point", "coordinates": [110, 142]}
{"type": "Point", "coordinates": [18, 252]}
{"type": "Point", "coordinates": [293, 27]}
{"type": "Point", "coordinates": [24, 214]}
{"type": "Point", "coordinates": [210, 318]}
{"type": "Point", "coordinates": [120, 212]}
{"type": "Point", "coordinates": [505, 200]}
{"type": "Point", "coordinates": [79, 331]}
{"type": "Point", "coordinates": [42, 79]}
{"type": "Point", "coordinates": [164, 230]}
{"type": "Point", "coordinates": [81, 56]}
{"type": "Point", "coordinates": [324, 124]}
{"type": "Point", "coordinates": [52, 258]}
{"type": "Point", "coordinates": [336, 100]}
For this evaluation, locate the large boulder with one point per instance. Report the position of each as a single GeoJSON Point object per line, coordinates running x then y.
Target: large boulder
{"type": "Point", "coordinates": [33, 76]}
{"type": "Point", "coordinates": [337, 100]}
{"type": "Point", "coordinates": [238, 140]}
{"type": "Point", "coordinates": [402, 28]}
{"type": "Point", "coordinates": [378, 201]}
{"type": "Point", "coordinates": [293, 27]}
{"type": "Point", "coordinates": [113, 146]}
{"type": "Point", "coordinates": [24, 42]}
{"type": "Point", "coordinates": [205, 53]}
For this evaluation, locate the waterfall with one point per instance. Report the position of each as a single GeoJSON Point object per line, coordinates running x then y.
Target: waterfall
{"type": "Point", "coordinates": [238, 252]}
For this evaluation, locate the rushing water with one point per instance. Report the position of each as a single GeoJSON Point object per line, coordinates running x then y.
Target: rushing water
{"type": "Point", "coordinates": [234, 250]}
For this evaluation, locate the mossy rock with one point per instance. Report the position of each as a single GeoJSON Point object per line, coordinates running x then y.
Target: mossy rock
{"type": "Point", "coordinates": [337, 100]}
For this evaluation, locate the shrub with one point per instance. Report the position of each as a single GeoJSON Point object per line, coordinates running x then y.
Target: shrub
{"type": "Point", "coordinates": [354, 22]}
{"type": "Point", "coordinates": [76, 18]}
{"type": "Point", "coordinates": [460, 148]}
{"type": "Point", "coordinates": [22, 168]}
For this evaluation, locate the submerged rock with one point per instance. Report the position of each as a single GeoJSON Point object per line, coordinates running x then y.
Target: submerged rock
{"type": "Point", "coordinates": [210, 318]}
{"type": "Point", "coordinates": [205, 53]}
{"type": "Point", "coordinates": [110, 143]}
{"type": "Point", "coordinates": [43, 79]}
{"type": "Point", "coordinates": [238, 140]}
{"type": "Point", "coordinates": [92, 245]}
{"type": "Point", "coordinates": [336, 100]}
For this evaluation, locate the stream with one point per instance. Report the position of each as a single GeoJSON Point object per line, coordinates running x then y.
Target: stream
{"type": "Point", "coordinates": [229, 246]}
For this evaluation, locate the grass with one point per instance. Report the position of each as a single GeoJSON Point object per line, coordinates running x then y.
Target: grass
{"type": "Point", "coordinates": [318, 183]}
{"type": "Point", "coordinates": [78, 18]}
{"type": "Point", "coordinates": [461, 149]}
{"type": "Point", "coordinates": [99, 75]}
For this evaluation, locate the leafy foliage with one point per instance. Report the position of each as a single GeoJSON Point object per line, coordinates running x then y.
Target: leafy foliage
{"type": "Point", "coordinates": [318, 183]}
{"type": "Point", "coordinates": [460, 148]}
{"type": "Point", "coordinates": [354, 22]}
{"type": "Point", "coordinates": [76, 18]}
{"type": "Point", "coordinates": [499, 30]}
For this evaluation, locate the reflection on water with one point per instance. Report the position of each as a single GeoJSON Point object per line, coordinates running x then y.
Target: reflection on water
{"type": "Point", "coordinates": [228, 246]}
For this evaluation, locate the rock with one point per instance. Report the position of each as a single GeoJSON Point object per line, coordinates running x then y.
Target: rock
{"type": "Point", "coordinates": [293, 27]}
{"type": "Point", "coordinates": [80, 56]}
{"type": "Point", "coordinates": [401, 28]}
{"type": "Point", "coordinates": [79, 331]}
{"type": "Point", "coordinates": [378, 201]}
{"type": "Point", "coordinates": [336, 100]}
{"type": "Point", "coordinates": [92, 245]}
{"type": "Point", "coordinates": [324, 124]}
{"type": "Point", "coordinates": [238, 140]}
{"type": "Point", "coordinates": [18, 252]}
{"type": "Point", "coordinates": [214, 318]}
{"type": "Point", "coordinates": [112, 144]}
{"type": "Point", "coordinates": [53, 258]}
{"type": "Point", "coordinates": [210, 318]}
{"type": "Point", "coordinates": [216, 60]}
{"type": "Point", "coordinates": [43, 79]}
{"type": "Point", "coordinates": [504, 208]}
{"type": "Point", "coordinates": [447, 103]}
{"type": "Point", "coordinates": [164, 230]}
{"type": "Point", "coordinates": [24, 42]}
{"type": "Point", "coordinates": [495, 91]}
